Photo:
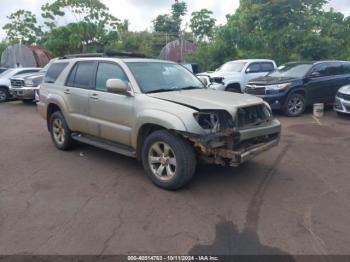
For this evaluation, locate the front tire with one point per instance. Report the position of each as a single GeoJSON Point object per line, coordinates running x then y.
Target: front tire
{"type": "Point", "coordinates": [60, 133]}
{"type": "Point", "coordinates": [294, 105]}
{"type": "Point", "coordinates": [168, 160]}
{"type": "Point", "coordinates": [4, 94]}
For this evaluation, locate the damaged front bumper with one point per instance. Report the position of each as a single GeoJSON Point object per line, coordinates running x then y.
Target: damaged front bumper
{"type": "Point", "coordinates": [235, 146]}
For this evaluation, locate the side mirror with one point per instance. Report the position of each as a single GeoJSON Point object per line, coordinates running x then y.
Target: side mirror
{"type": "Point", "coordinates": [117, 86]}
{"type": "Point", "coordinates": [248, 70]}
{"type": "Point", "coordinates": [204, 80]}
{"type": "Point", "coordinates": [315, 74]}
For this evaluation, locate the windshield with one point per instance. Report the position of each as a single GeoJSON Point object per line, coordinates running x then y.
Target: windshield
{"type": "Point", "coordinates": [291, 70]}
{"type": "Point", "coordinates": [7, 73]}
{"type": "Point", "coordinates": [44, 69]}
{"type": "Point", "coordinates": [155, 77]}
{"type": "Point", "coordinates": [232, 67]}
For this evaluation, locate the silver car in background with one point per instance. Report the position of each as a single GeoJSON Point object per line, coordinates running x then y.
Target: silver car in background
{"type": "Point", "coordinates": [342, 100]}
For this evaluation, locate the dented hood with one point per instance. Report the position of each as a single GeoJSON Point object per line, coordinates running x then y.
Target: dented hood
{"type": "Point", "coordinates": [203, 99]}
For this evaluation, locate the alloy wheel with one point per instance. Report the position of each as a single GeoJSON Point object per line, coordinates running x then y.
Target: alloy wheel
{"type": "Point", "coordinates": [58, 131]}
{"type": "Point", "coordinates": [162, 161]}
{"type": "Point", "coordinates": [295, 105]}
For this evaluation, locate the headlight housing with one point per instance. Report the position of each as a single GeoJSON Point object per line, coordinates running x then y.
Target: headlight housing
{"type": "Point", "coordinates": [214, 120]}
{"type": "Point", "coordinates": [277, 87]}
{"type": "Point", "coordinates": [28, 83]}
{"type": "Point", "coordinates": [340, 95]}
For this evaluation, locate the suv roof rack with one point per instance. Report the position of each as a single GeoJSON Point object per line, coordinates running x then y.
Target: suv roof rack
{"type": "Point", "coordinates": [106, 54]}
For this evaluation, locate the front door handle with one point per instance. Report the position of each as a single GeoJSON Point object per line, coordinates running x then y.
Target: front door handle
{"type": "Point", "coordinates": [67, 91]}
{"type": "Point", "coordinates": [94, 96]}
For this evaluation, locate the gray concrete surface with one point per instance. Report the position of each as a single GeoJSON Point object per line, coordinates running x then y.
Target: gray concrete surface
{"type": "Point", "coordinates": [291, 200]}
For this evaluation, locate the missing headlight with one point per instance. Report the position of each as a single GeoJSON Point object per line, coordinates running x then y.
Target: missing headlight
{"type": "Point", "coordinates": [214, 121]}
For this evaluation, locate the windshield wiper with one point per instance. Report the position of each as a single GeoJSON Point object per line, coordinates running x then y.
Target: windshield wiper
{"type": "Point", "coordinates": [189, 87]}
{"type": "Point", "coordinates": [161, 90]}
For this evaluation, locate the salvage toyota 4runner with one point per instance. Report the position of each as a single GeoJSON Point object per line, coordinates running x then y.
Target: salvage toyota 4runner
{"type": "Point", "coordinates": [155, 111]}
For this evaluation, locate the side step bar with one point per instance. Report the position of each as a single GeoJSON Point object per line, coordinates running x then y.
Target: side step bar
{"type": "Point", "coordinates": [104, 144]}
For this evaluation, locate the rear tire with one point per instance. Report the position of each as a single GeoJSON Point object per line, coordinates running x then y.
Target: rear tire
{"type": "Point", "coordinates": [60, 133]}
{"type": "Point", "coordinates": [168, 160]}
{"type": "Point", "coordinates": [294, 105]}
{"type": "Point", "coordinates": [4, 94]}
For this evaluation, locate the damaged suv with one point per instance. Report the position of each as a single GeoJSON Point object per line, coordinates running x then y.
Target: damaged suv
{"type": "Point", "coordinates": [155, 111]}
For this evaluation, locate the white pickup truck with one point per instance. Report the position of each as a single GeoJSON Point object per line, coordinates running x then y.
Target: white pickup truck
{"type": "Point", "coordinates": [233, 76]}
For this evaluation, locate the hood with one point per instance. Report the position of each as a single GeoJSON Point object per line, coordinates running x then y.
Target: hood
{"type": "Point", "coordinates": [345, 90]}
{"type": "Point", "coordinates": [269, 80]}
{"type": "Point", "coordinates": [206, 99]}
{"type": "Point", "coordinates": [31, 76]}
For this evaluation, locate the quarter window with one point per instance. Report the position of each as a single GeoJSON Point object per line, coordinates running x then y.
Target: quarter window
{"type": "Point", "coordinates": [107, 71]}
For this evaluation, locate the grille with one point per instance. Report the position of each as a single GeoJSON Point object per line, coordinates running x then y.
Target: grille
{"type": "Point", "coordinates": [17, 83]}
{"type": "Point", "coordinates": [252, 115]}
{"type": "Point", "coordinates": [255, 90]}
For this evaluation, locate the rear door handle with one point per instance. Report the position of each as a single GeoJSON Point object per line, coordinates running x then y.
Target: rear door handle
{"type": "Point", "coordinates": [67, 91]}
{"type": "Point", "coordinates": [94, 96]}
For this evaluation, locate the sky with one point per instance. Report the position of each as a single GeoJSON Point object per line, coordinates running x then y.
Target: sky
{"type": "Point", "coordinates": [140, 13]}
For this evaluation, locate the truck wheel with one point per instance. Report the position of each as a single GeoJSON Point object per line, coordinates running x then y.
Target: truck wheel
{"type": "Point", "coordinates": [295, 105]}
{"type": "Point", "coordinates": [60, 133]}
{"type": "Point", "coordinates": [4, 94]}
{"type": "Point", "coordinates": [168, 160]}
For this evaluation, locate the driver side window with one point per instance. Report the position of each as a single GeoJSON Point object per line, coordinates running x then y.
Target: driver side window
{"type": "Point", "coordinates": [107, 71]}
{"type": "Point", "coordinates": [320, 70]}
{"type": "Point", "coordinates": [254, 68]}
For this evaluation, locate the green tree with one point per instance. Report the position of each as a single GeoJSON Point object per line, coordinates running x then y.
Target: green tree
{"type": "Point", "coordinates": [202, 24]}
{"type": "Point", "coordinates": [211, 55]}
{"type": "Point", "coordinates": [283, 30]}
{"type": "Point", "coordinates": [93, 22]}
{"type": "Point", "coordinates": [165, 24]}
{"type": "Point", "coordinates": [171, 23]}
{"type": "Point", "coordinates": [23, 28]}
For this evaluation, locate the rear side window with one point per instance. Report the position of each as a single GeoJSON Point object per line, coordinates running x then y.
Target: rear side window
{"type": "Point", "coordinates": [267, 67]}
{"type": "Point", "coordinates": [81, 75]}
{"type": "Point", "coordinates": [107, 71]}
{"type": "Point", "coordinates": [346, 68]}
{"type": "Point", "coordinates": [54, 72]}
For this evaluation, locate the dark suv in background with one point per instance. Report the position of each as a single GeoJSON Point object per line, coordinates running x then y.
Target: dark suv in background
{"type": "Point", "coordinates": [294, 86]}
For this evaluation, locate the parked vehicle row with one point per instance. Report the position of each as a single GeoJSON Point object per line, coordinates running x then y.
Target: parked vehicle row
{"type": "Point", "coordinates": [233, 76]}
{"type": "Point", "coordinates": [291, 88]}
{"type": "Point", "coordinates": [155, 111]}
{"type": "Point", "coordinates": [5, 79]}
{"type": "Point", "coordinates": [25, 87]}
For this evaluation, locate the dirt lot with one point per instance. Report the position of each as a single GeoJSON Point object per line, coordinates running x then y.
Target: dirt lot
{"type": "Point", "coordinates": [294, 199]}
